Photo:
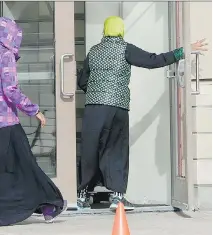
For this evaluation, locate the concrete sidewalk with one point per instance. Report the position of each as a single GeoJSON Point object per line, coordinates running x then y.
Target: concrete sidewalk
{"type": "Point", "coordinates": [168, 223]}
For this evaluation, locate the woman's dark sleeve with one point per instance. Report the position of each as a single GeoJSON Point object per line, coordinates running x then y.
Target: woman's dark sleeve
{"type": "Point", "coordinates": [140, 58]}
{"type": "Point", "coordinates": [83, 76]}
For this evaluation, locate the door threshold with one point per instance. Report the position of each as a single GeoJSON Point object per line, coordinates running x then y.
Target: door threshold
{"type": "Point", "coordinates": [105, 211]}
{"type": "Point", "coordinates": [72, 210]}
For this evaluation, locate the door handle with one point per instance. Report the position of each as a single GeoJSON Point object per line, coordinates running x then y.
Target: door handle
{"type": "Point", "coordinates": [197, 73]}
{"type": "Point", "coordinates": [52, 59]}
{"type": "Point", "coordinates": [181, 68]}
{"type": "Point", "coordinates": [65, 94]}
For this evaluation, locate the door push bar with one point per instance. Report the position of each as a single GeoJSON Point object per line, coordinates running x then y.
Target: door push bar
{"type": "Point", "coordinates": [197, 73]}
{"type": "Point", "coordinates": [65, 94]}
{"type": "Point", "coordinates": [181, 67]}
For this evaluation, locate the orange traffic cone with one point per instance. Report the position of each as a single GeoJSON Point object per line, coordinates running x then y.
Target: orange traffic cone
{"type": "Point", "coordinates": [120, 226]}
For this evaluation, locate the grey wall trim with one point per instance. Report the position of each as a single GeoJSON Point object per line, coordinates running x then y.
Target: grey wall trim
{"type": "Point", "coordinates": [202, 106]}
{"type": "Point", "coordinates": [202, 132]}
{"type": "Point", "coordinates": [203, 185]}
{"type": "Point", "coordinates": [201, 159]}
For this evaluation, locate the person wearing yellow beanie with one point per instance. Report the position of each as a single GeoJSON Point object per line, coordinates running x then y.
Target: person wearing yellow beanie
{"type": "Point", "coordinates": [105, 132]}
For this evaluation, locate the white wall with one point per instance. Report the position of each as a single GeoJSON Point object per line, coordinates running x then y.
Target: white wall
{"type": "Point", "coordinates": [96, 13]}
{"type": "Point", "coordinates": [146, 27]}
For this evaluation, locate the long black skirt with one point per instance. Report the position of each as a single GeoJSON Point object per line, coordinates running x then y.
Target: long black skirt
{"type": "Point", "coordinates": [105, 147]}
{"type": "Point", "coordinates": [24, 187]}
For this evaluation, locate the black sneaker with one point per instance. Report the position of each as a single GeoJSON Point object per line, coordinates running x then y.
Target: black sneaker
{"type": "Point", "coordinates": [83, 203]}
{"type": "Point", "coordinates": [117, 199]}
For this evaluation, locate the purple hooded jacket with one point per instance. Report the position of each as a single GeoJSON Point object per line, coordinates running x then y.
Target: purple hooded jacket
{"type": "Point", "coordinates": [11, 97]}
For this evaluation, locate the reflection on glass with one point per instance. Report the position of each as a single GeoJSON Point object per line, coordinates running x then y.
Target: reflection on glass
{"type": "Point", "coordinates": [80, 47]}
{"type": "Point", "coordinates": [80, 54]}
{"type": "Point", "coordinates": [36, 74]}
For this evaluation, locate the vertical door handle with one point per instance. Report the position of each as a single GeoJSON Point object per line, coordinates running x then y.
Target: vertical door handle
{"type": "Point", "coordinates": [52, 59]}
{"type": "Point", "coordinates": [65, 94]}
{"type": "Point", "coordinates": [197, 74]}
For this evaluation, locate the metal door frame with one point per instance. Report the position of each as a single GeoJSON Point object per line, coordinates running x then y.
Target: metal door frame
{"type": "Point", "coordinates": [190, 170]}
{"type": "Point", "coordinates": [179, 185]}
{"type": "Point", "coordinates": [65, 68]}
{"type": "Point", "coordinates": [182, 188]}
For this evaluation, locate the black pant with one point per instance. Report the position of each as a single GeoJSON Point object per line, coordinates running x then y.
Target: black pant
{"type": "Point", "coordinates": [105, 147]}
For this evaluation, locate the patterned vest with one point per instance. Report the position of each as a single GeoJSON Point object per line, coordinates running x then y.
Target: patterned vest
{"type": "Point", "coordinates": [109, 74]}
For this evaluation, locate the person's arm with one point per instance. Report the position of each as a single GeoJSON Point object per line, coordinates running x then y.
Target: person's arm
{"type": "Point", "coordinates": [11, 89]}
{"type": "Point", "coordinates": [140, 58]}
{"type": "Point", "coordinates": [83, 76]}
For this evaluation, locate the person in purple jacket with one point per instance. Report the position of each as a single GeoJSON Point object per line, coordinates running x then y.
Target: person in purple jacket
{"type": "Point", "coordinates": [24, 187]}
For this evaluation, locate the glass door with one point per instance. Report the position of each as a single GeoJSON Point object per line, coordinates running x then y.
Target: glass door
{"type": "Point", "coordinates": [47, 74]}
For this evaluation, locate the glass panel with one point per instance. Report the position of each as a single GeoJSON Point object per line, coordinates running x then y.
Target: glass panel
{"type": "Point", "coordinates": [80, 47]}
{"type": "Point", "coordinates": [79, 28]}
{"type": "Point", "coordinates": [36, 75]}
{"type": "Point", "coordinates": [80, 53]}
{"type": "Point", "coordinates": [79, 8]}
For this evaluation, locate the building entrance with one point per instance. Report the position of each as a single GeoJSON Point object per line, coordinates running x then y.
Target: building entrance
{"type": "Point", "coordinates": [57, 36]}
